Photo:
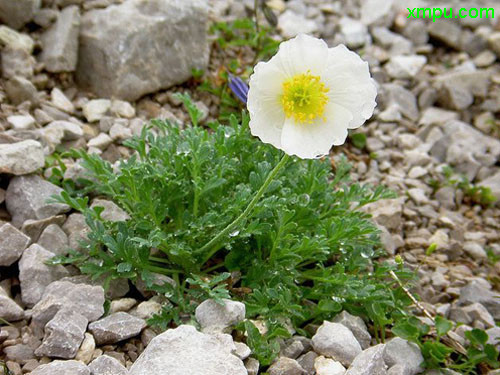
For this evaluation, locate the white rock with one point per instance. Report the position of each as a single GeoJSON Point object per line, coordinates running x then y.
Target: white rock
{"type": "Point", "coordinates": [102, 141]}
{"type": "Point", "coordinates": [184, 351]}
{"type": "Point", "coordinates": [291, 24]}
{"type": "Point", "coordinates": [336, 341]}
{"type": "Point", "coordinates": [377, 12]}
{"type": "Point", "coordinates": [21, 122]}
{"type": "Point", "coordinates": [60, 101]}
{"type": "Point", "coordinates": [69, 130]}
{"type": "Point", "coordinates": [405, 67]}
{"type": "Point", "coordinates": [106, 365]}
{"type": "Point", "coordinates": [86, 350]}
{"type": "Point", "coordinates": [216, 317]}
{"type": "Point", "coordinates": [354, 32]}
{"type": "Point", "coordinates": [94, 110]}
{"type": "Point", "coordinates": [119, 132]}
{"type": "Point", "coordinates": [121, 108]}
{"type": "Point", "coordinates": [62, 368]}
{"type": "Point", "coordinates": [327, 366]}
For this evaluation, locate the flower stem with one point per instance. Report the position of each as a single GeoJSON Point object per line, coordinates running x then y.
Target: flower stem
{"type": "Point", "coordinates": [211, 245]}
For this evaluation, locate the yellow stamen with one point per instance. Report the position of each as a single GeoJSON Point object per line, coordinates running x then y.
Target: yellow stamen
{"type": "Point", "coordinates": [304, 97]}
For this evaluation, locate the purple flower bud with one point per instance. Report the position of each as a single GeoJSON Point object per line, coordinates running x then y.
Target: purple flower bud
{"type": "Point", "coordinates": [239, 88]}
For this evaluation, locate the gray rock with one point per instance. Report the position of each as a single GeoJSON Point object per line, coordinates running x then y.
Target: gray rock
{"type": "Point", "coordinates": [307, 362]}
{"type": "Point", "coordinates": [85, 299]}
{"type": "Point", "coordinates": [17, 13]}
{"type": "Point", "coordinates": [60, 42]}
{"type": "Point", "coordinates": [494, 336]}
{"type": "Point", "coordinates": [369, 362]}
{"type": "Point", "coordinates": [494, 42]}
{"type": "Point", "coordinates": [77, 229]}
{"type": "Point", "coordinates": [216, 317]}
{"type": "Point", "coordinates": [293, 349]}
{"type": "Point", "coordinates": [285, 366]}
{"type": "Point", "coordinates": [16, 62]}
{"type": "Point", "coordinates": [387, 212]}
{"type": "Point", "coordinates": [27, 197]}
{"type": "Point", "coordinates": [63, 335]}
{"type": "Point", "coordinates": [20, 90]}
{"type": "Point", "coordinates": [478, 312]}
{"type": "Point", "coordinates": [20, 353]}
{"type": "Point", "coordinates": [115, 289]}
{"type": "Point", "coordinates": [176, 32]}
{"type": "Point", "coordinates": [402, 98]}
{"type": "Point", "coordinates": [34, 228]}
{"type": "Point", "coordinates": [106, 365]}
{"type": "Point", "coordinates": [10, 311]}
{"type": "Point", "coordinates": [111, 211]}
{"type": "Point", "coordinates": [12, 244]}
{"type": "Point", "coordinates": [454, 96]}
{"type": "Point", "coordinates": [401, 352]}
{"type": "Point", "coordinates": [357, 327]}
{"type": "Point", "coordinates": [475, 250]}
{"type": "Point", "coordinates": [252, 366]}
{"type": "Point", "coordinates": [116, 327]}
{"type": "Point", "coordinates": [183, 351]}
{"type": "Point", "coordinates": [35, 275]}
{"type": "Point", "coordinates": [465, 148]}
{"type": "Point", "coordinates": [62, 368]}
{"type": "Point", "coordinates": [446, 32]}
{"type": "Point", "coordinates": [54, 239]}
{"type": "Point", "coordinates": [22, 157]}
{"type": "Point", "coordinates": [336, 341]}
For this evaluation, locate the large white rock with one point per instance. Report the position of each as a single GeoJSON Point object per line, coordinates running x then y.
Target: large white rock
{"type": "Point", "coordinates": [21, 157]}
{"type": "Point", "coordinates": [336, 341]}
{"type": "Point", "coordinates": [139, 47]}
{"type": "Point", "coordinates": [183, 351]}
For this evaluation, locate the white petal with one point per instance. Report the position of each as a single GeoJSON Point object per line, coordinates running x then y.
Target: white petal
{"type": "Point", "coordinates": [309, 141]}
{"type": "Point", "coordinates": [263, 103]}
{"type": "Point", "coordinates": [351, 86]}
{"type": "Point", "coordinates": [303, 53]}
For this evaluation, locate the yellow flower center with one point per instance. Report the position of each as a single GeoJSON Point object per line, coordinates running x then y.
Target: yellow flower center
{"type": "Point", "coordinates": [304, 97]}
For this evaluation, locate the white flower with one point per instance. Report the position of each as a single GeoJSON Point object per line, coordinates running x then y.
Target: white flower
{"type": "Point", "coordinates": [304, 99]}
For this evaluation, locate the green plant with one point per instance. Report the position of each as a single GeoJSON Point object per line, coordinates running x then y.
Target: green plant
{"type": "Point", "coordinates": [305, 252]}
{"type": "Point", "coordinates": [476, 194]}
{"type": "Point", "coordinates": [437, 354]}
